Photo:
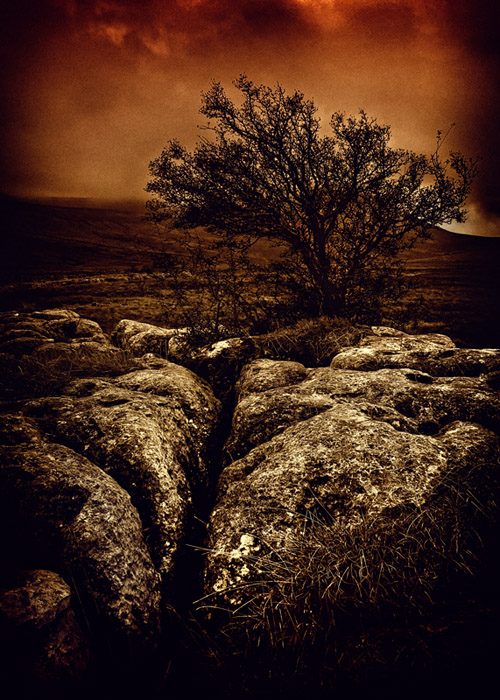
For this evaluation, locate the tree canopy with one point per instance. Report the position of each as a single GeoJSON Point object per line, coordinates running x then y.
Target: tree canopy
{"type": "Point", "coordinates": [343, 203]}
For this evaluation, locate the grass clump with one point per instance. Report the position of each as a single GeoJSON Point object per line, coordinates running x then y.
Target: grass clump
{"type": "Point", "coordinates": [312, 341]}
{"type": "Point", "coordinates": [47, 374]}
{"type": "Point", "coordinates": [350, 599]}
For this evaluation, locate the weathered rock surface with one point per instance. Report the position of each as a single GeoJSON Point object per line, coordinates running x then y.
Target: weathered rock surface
{"type": "Point", "coordinates": [344, 463]}
{"type": "Point", "coordinates": [221, 362]}
{"type": "Point", "coordinates": [16, 428]}
{"type": "Point", "coordinates": [432, 353]}
{"type": "Point", "coordinates": [42, 350]}
{"type": "Point", "coordinates": [142, 338]}
{"type": "Point", "coordinates": [25, 333]}
{"type": "Point", "coordinates": [80, 458]}
{"type": "Point", "coordinates": [380, 484]}
{"type": "Point", "coordinates": [60, 510]}
{"type": "Point", "coordinates": [42, 641]}
{"type": "Point", "coordinates": [262, 375]}
{"type": "Point", "coordinates": [151, 430]}
{"type": "Point", "coordinates": [370, 484]}
{"type": "Point", "coordinates": [34, 599]}
{"type": "Point", "coordinates": [418, 401]}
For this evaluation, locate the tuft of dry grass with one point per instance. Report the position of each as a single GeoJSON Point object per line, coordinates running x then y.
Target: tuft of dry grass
{"type": "Point", "coordinates": [29, 376]}
{"type": "Point", "coordinates": [312, 341]}
{"type": "Point", "coordinates": [346, 598]}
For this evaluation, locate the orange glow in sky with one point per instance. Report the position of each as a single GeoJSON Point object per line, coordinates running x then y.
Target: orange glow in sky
{"type": "Point", "coordinates": [93, 89]}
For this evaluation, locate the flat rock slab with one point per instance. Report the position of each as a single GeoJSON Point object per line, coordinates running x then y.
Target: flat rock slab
{"type": "Point", "coordinates": [432, 353]}
{"type": "Point", "coordinates": [272, 398]}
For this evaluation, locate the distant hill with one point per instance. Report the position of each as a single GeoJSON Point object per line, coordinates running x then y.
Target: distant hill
{"type": "Point", "coordinates": [445, 243]}
{"type": "Point", "coordinates": [79, 236]}
{"type": "Point", "coordinates": [458, 275]}
{"type": "Point", "coordinates": [47, 239]}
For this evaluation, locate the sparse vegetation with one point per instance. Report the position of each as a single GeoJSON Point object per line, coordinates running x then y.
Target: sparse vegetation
{"type": "Point", "coordinates": [311, 341]}
{"type": "Point", "coordinates": [47, 375]}
{"type": "Point", "coordinates": [333, 603]}
{"type": "Point", "coordinates": [456, 275]}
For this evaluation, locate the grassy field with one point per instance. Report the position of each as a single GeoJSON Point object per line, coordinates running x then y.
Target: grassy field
{"type": "Point", "coordinates": [100, 262]}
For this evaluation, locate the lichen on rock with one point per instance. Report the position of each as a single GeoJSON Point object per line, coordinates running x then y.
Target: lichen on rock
{"type": "Point", "coordinates": [359, 491]}
{"type": "Point", "coordinates": [151, 431]}
{"type": "Point", "coordinates": [70, 515]}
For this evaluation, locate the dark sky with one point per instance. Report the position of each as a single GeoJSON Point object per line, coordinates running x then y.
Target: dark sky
{"type": "Point", "coordinates": [93, 89]}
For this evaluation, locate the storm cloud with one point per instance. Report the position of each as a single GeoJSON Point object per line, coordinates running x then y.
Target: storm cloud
{"type": "Point", "coordinates": [94, 89]}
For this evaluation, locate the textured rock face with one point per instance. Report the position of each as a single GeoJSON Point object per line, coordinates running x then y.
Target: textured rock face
{"type": "Point", "coordinates": [263, 375]}
{"type": "Point", "coordinates": [141, 338]}
{"type": "Point", "coordinates": [345, 490]}
{"type": "Point", "coordinates": [432, 353]}
{"type": "Point", "coordinates": [418, 402]}
{"type": "Point", "coordinates": [35, 598]}
{"type": "Point", "coordinates": [98, 481]}
{"type": "Point", "coordinates": [384, 452]}
{"type": "Point", "coordinates": [151, 431]}
{"type": "Point", "coordinates": [42, 641]}
{"type": "Point", "coordinates": [219, 363]}
{"type": "Point", "coordinates": [62, 510]}
{"type": "Point", "coordinates": [25, 334]}
{"type": "Point", "coordinates": [40, 351]}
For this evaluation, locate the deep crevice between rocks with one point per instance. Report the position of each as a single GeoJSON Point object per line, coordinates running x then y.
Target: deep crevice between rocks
{"type": "Point", "coordinates": [192, 667]}
{"type": "Point", "coordinates": [464, 676]}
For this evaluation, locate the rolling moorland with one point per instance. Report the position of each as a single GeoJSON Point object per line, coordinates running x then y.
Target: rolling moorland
{"type": "Point", "coordinates": [100, 262]}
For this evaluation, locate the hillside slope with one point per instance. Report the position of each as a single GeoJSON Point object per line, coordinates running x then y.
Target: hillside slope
{"type": "Point", "coordinates": [458, 281]}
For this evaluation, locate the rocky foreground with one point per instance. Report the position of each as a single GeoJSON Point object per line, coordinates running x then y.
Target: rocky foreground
{"type": "Point", "coordinates": [351, 510]}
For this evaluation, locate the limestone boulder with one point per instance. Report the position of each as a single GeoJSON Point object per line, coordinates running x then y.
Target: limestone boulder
{"type": "Point", "coordinates": [152, 431]}
{"type": "Point", "coordinates": [42, 350]}
{"type": "Point", "coordinates": [43, 643]}
{"type": "Point", "coordinates": [273, 397]}
{"type": "Point", "coordinates": [432, 402]}
{"type": "Point", "coordinates": [142, 338]}
{"type": "Point", "coordinates": [433, 353]}
{"type": "Point", "coordinates": [165, 379]}
{"type": "Point", "coordinates": [264, 374]}
{"type": "Point", "coordinates": [350, 497]}
{"type": "Point", "coordinates": [345, 464]}
{"type": "Point", "coordinates": [33, 599]}
{"type": "Point", "coordinates": [267, 404]}
{"type": "Point", "coordinates": [60, 511]}
{"type": "Point", "coordinates": [23, 333]}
